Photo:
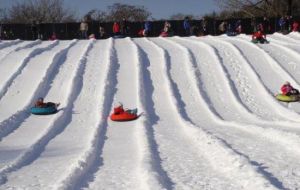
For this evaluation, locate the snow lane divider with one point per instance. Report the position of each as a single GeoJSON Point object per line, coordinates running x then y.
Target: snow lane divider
{"type": "Point", "coordinates": [91, 159]}
{"type": "Point", "coordinates": [247, 175]}
{"type": "Point", "coordinates": [37, 148]}
{"type": "Point", "coordinates": [153, 173]}
{"type": "Point", "coordinates": [30, 45]}
{"type": "Point", "coordinates": [10, 43]}
{"type": "Point", "coordinates": [4, 53]}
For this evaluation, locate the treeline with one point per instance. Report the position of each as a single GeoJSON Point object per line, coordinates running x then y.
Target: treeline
{"type": "Point", "coordinates": [256, 8]}
{"type": "Point", "coordinates": [55, 11]}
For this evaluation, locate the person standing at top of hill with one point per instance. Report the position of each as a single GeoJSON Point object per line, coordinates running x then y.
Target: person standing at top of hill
{"type": "Point", "coordinates": [238, 27]}
{"type": "Point", "coordinates": [34, 30]}
{"type": "Point", "coordinates": [203, 27]}
{"type": "Point", "coordinates": [187, 26]}
{"type": "Point", "coordinates": [124, 27]}
{"type": "Point", "coordinates": [223, 27]}
{"type": "Point", "coordinates": [84, 27]}
{"type": "Point", "coordinates": [282, 24]}
{"type": "Point", "coordinates": [116, 29]}
{"type": "Point", "coordinates": [0, 31]}
{"type": "Point", "coordinates": [102, 33]}
{"type": "Point", "coordinates": [167, 30]}
{"type": "Point", "coordinates": [266, 25]}
{"type": "Point", "coordinates": [295, 26]}
{"type": "Point", "coordinates": [148, 28]}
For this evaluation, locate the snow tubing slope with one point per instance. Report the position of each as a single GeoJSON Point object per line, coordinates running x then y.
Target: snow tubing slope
{"type": "Point", "coordinates": [284, 98]}
{"type": "Point", "coordinates": [43, 111]}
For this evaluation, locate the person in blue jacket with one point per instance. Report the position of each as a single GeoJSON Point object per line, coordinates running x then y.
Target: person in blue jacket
{"type": "Point", "coordinates": [282, 24]}
{"type": "Point", "coordinates": [148, 28]}
{"type": "Point", "coordinates": [187, 26]}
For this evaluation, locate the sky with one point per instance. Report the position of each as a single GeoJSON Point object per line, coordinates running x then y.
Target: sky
{"type": "Point", "coordinates": [158, 8]}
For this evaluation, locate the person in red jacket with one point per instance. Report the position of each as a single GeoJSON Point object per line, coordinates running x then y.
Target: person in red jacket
{"type": "Point", "coordinates": [41, 104]}
{"type": "Point", "coordinates": [295, 26]}
{"type": "Point", "coordinates": [119, 110]}
{"type": "Point", "coordinates": [287, 89]}
{"type": "Point", "coordinates": [53, 37]}
{"type": "Point", "coordinates": [116, 28]}
{"type": "Point", "coordinates": [259, 36]}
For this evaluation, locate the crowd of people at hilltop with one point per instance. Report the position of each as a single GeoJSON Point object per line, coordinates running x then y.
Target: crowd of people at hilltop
{"type": "Point", "coordinates": [284, 24]}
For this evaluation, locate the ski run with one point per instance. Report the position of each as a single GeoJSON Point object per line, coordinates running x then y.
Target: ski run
{"type": "Point", "coordinates": [209, 119]}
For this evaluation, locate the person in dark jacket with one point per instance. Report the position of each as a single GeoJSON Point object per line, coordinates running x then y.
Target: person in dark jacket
{"type": "Point", "coordinates": [148, 28]}
{"type": "Point", "coordinates": [102, 33]}
{"type": "Point", "coordinates": [204, 27]}
{"type": "Point", "coordinates": [266, 25]}
{"type": "Point", "coordinates": [84, 27]}
{"type": "Point", "coordinates": [0, 31]}
{"type": "Point", "coordinates": [187, 26]}
{"type": "Point", "coordinates": [238, 27]}
{"type": "Point", "coordinates": [34, 30]}
{"type": "Point", "coordinates": [124, 29]}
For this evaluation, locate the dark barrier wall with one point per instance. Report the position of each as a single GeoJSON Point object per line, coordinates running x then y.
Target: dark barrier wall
{"type": "Point", "coordinates": [66, 31]}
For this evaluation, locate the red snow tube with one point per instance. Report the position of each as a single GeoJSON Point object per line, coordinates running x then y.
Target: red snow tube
{"type": "Point", "coordinates": [125, 116]}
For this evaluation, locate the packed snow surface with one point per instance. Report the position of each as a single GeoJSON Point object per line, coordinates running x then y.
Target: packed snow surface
{"type": "Point", "coordinates": [209, 119]}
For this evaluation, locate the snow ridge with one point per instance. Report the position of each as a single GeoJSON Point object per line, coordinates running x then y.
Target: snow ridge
{"type": "Point", "coordinates": [18, 71]}
{"type": "Point", "coordinates": [36, 149]}
{"type": "Point", "coordinates": [6, 51]}
{"type": "Point", "coordinates": [29, 45]}
{"type": "Point", "coordinates": [285, 140]}
{"type": "Point", "coordinates": [9, 43]}
{"type": "Point", "coordinates": [90, 160]}
{"type": "Point", "coordinates": [153, 172]}
{"type": "Point", "coordinates": [289, 115]}
{"type": "Point", "coordinates": [206, 141]}
{"type": "Point", "coordinates": [11, 123]}
{"type": "Point", "coordinates": [282, 72]}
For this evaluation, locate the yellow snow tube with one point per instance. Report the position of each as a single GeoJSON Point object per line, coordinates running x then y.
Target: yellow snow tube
{"type": "Point", "coordinates": [285, 98]}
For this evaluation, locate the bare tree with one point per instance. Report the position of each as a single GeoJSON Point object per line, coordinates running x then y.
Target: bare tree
{"type": "Point", "coordinates": [260, 7]}
{"type": "Point", "coordinates": [46, 11]}
{"type": "Point", "coordinates": [3, 15]}
{"type": "Point", "coordinates": [96, 15]}
{"type": "Point", "coordinates": [118, 11]}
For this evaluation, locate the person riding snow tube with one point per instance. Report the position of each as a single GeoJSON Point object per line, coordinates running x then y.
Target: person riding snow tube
{"type": "Point", "coordinates": [260, 37]}
{"type": "Point", "coordinates": [120, 114]}
{"type": "Point", "coordinates": [41, 108]}
{"type": "Point", "coordinates": [288, 93]}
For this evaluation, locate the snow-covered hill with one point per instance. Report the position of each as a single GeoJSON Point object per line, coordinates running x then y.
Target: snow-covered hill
{"type": "Point", "coordinates": [210, 119]}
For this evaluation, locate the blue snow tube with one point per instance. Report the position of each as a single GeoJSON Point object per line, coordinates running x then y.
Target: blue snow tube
{"type": "Point", "coordinates": [44, 110]}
